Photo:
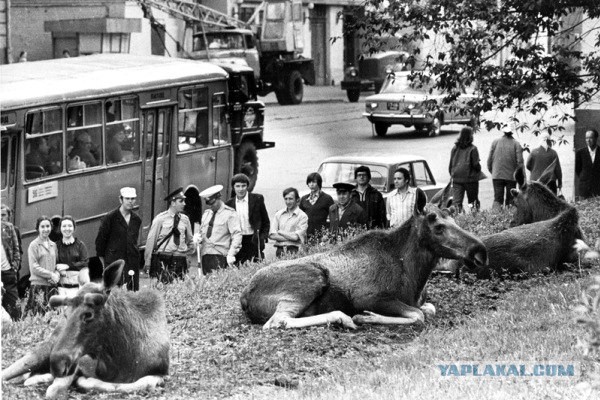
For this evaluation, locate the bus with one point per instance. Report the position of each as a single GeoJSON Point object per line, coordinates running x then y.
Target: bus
{"type": "Point", "coordinates": [76, 130]}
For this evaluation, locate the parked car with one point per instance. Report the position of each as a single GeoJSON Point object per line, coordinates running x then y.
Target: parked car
{"type": "Point", "coordinates": [341, 169]}
{"type": "Point", "coordinates": [371, 72]}
{"type": "Point", "coordinates": [409, 103]}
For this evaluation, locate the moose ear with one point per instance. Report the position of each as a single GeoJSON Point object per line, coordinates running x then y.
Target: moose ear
{"type": "Point", "coordinates": [442, 197]}
{"type": "Point", "coordinates": [112, 274]}
{"type": "Point", "coordinates": [548, 175]}
{"type": "Point", "coordinates": [520, 176]}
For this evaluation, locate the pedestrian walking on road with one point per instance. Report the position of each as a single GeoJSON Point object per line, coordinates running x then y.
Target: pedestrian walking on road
{"type": "Point", "coordinates": [254, 219]}
{"type": "Point", "coordinates": [369, 198]}
{"type": "Point", "coordinates": [506, 155]}
{"type": "Point", "coordinates": [465, 170]}
{"type": "Point", "coordinates": [587, 166]}
{"type": "Point", "coordinates": [117, 238]}
{"type": "Point", "coordinates": [220, 232]}
{"type": "Point", "coordinates": [316, 205]}
{"type": "Point", "coordinates": [544, 160]}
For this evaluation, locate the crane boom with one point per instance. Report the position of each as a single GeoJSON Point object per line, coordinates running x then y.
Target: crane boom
{"type": "Point", "coordinates": [194, 13]}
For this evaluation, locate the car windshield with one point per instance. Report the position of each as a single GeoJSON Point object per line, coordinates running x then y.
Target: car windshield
{"type": "Point", "coordinates": [333, 172]}
{"type": "Point", "coordinates": [219, 41]}
{"type": "Point", "coordinates": [400, 83]}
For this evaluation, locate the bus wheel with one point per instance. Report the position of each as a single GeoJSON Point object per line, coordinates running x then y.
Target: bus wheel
{"type": "Point", "coordinates": [246, 162]}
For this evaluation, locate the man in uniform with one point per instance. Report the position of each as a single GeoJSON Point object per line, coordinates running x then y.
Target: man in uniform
{"type": "Point", "coordinates": [171, 238]}
{"type": "Point", "coordinates": [345, 213]}
{"type": "Point", "coordinates": [118, 238]}
{"type": "Point", "coordinates": [221, 234]}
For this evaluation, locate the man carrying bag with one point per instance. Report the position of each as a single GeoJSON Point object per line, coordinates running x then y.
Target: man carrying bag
{"type": "Point", "coordinates": [170, 241]}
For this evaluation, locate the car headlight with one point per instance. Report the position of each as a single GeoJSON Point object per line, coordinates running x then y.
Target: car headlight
{"type": "Point", "coordinates": [353, 73]}
{"type": "Point", "coordinates": [411, 106]}
{"type": "Point", "coordinates": [372, 106]}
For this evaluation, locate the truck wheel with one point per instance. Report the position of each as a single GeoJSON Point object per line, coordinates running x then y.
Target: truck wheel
{"type": "Point", "coordinates": [353, 95]}
{"type": "Point", "coordinates": [381, 128]}
{"type": "Point", "coordinates": [295, 87]}
{"type": "Point", "coordinates": [281, 95]}
{"type": "Point", "coordinates": [246, 162]}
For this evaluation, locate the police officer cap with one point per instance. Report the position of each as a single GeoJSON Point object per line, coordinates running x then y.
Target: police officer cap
{"type": "Point", "coordinates": [348, 187]}
{"type": "Point", "coordinates": [211, 191]}
{"type": "Point", "coordinates": [176, 194]}
{"type": "Point", "coordinates": [128, 192]}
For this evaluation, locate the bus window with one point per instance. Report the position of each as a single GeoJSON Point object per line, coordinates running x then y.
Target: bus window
{"type": "Point", "coordinates": [44, 143]}
{"type": "Point", "coordinates": [4, 162]}
{"type": "Point", "coordinates": [193, 119]}
{"type": "Point", "coordinates": [122, 134]}
{"type": "Point", "coordinates": [220, 131]}
{"type": "Point", "coordinates": [84, 135]}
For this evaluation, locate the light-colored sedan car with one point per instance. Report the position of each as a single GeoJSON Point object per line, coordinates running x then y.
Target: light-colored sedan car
{"type": "Point", "coordinates": [400, 104]}
{"type": "Point", "coordinates": [341, 169]}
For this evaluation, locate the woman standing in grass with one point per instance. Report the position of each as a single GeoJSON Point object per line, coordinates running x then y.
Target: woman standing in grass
{"type": "Point", "coordinates": [72, 258]}
{"type": "Point", "coordinates": [44, 278]}
{"type": "Point", "coordinates": [465, 170]}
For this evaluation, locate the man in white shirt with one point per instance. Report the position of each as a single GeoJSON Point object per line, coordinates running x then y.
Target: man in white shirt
{"type": "Point", "coordinates": [401, 205]}
{"type": "Point", "coordinates": [288, 228]}
{"type": "Point", "coordinates": [254, 219]}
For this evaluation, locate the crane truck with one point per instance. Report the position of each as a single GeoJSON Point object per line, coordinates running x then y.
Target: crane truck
{"type": "Point", "coordinates": [272, 50]}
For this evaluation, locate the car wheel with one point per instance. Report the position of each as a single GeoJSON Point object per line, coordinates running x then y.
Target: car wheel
{"type": "Point", "coordinates": [353, 95]}
{"type": "Point", "coordinates": [419, 128]}
{"type": "Point", "coordinates": [436, 126]}
{"type": "Point", "coordinates": [381, 128]}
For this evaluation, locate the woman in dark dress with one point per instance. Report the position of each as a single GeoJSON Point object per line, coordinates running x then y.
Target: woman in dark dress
{"type": "Point", "coordinates": [316, 205]}
{"type": "Point", "coordinates": [72, 258]}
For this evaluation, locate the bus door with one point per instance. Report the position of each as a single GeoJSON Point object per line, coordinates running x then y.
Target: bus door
{"type": "Point", "coordinates": [156, 128]}
{"type": "Point", "coordinates": [8, 159]}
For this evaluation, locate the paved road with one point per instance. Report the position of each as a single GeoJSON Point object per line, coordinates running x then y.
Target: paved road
{"type": "Point", "coordinates": [307, 133]}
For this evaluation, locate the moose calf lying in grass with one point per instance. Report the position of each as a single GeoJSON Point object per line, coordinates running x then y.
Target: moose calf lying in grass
{"type": "Point", "coordinates": [112, 340]}
{"type": "Point", "coordinates": [378, 277]}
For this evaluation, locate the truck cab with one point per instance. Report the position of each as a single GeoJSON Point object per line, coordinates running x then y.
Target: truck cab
{"type": "Point", "coordinates": [225, 44]}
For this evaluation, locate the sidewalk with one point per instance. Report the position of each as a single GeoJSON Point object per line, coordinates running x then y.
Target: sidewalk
{"type": "Point", "coordinates": [314, 94]}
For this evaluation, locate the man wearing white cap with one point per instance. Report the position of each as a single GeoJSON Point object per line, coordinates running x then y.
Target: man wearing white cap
{"type": "Point", "coordinates": [171, 238]}
{"type": "Point", "coordinates": [506, 155]}
{"type": "Point", "coordinates": [221, 233]}
{"type": "Point", "coordinates": [543, 163]}
{"type": "Point", "coordinates": [118, 238]}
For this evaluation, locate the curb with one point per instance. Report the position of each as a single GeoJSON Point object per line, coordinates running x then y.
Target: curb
{"type": "Point", "coordinates": [311, 101]}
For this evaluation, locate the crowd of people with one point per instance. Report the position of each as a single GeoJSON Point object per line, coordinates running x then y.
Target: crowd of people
{"type": "Point", "coordinates": [235, 231]}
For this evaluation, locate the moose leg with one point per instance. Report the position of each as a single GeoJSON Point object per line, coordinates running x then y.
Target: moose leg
{"type": "Point", "coordinates": [35, 361]}
{"type": "Point", "coordinates": [149, 382]}
{"type": "Point", "coordinates": [284, 318]}
{"type": "Point", "coordinates": [397, 313]}
{"type": "Point", "coordinates": [60, 386]}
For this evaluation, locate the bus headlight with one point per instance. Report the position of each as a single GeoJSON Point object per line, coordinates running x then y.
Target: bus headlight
{"type": "Point", "coordinates": [372, 106]}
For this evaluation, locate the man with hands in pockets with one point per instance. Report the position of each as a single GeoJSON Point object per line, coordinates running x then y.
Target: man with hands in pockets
{"type": "Point", "coordinates": [220, 232]}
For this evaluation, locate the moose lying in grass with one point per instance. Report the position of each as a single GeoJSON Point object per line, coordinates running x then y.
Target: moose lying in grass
{"type": "Point", "coordinates": [378, 277]}
{"type": "Point", "coordinates": [544, 231]}
{"type": "Point", "coordinates": [111, 340]}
